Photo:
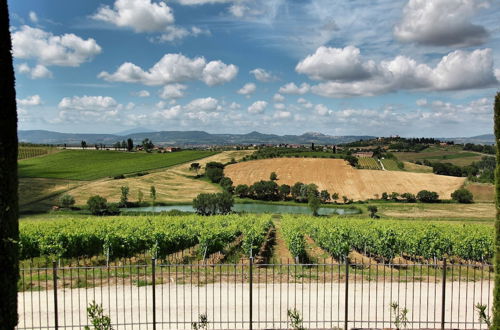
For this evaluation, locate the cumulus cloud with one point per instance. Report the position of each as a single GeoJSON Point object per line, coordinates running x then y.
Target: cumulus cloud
{"type": "Point", "coordinates": [441, 23]}
{"type": "Point", "coordinates": [282, 114]}
{"type": "Point", "coordinates": [33, 17]}
{"type": "Point", "coordinates": [279, 106]}
{"type": "Point", "coordinates": [400, 73]}
{"type": "Point", "coordinates": [202, 2]}
{"type": "Point", "coordinates": [173, 91]}
{"type": "Point", "coordinates": [262, 75]}
{"type": "Point", "coordinates": [247, 89]}
{"type": "Point", "coordinates": [278, 97]}
{"type": "Point", "coordinates": [30, 100]}
{"type": "Point", "coordinates": [174, 68]}
{"type": "Point", "coordinates": [322, 110]}
{"type": "Point", "coordinates": [89, 109]}
{"type": "Point", "coordinates": [37, 72]}
{"type": "Point", "coordinates": [291, 88]}
{"type": "Point", "coordinates": [142, 93]}
{"type": "Point", "coordinates": [203, 104]}
{"type": "Point", "coordinates": [257, 107]}
{"type": "Point", "coordinates": [49, 49]}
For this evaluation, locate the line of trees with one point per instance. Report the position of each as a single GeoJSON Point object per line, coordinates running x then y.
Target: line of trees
{"type": "Point", "coordinates": [480, 171]}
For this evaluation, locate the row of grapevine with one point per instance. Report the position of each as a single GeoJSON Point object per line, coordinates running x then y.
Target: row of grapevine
{"type": "Point", "coordinates": [390, 165]}
{"type": "Point", "coordinates": [127, 236]}
{"type": "Point", "coordinates": [369, 163]}
{"type": "Point", "coordinates": [254, 233]}
{"type": "Point", "coordinates": [293, 233]}
{"type": "Point", "coordinates": [387, 239]}
{"type": "Point", "coordinates": [29, 152]}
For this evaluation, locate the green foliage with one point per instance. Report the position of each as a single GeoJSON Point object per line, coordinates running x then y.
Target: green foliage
{"type": "Point", "coordinates": [482, 314]}
{"type": "Point", "coordinates": [202, 322]}
{"type": "Point", "coordinates": [385, 196]}
{"type": "Point", "coordinates": [409, 197]}
{"type": "Point", "coordinates": [140, 196]}
{"type": "Point", "coordinates": [284, 191]}
{"type": "Point", "coordinates": [295, 319]}
{"type": "Point", "coordinates": [324, 196]}
{"type": "Point", "coordinates": [33, 151]}
{"type": "Point", "coordinates": [264, 190]}
{"type": "Point", "coordinates": [124, 196]}
{"type": "Point", "coordinates": [97, 205]}
{"type": "Point", "coordinates": [462, 195]}
{"type": "Point", "coordinates": [147, 144]}
{"type": "Point", "coordinates": [95, 164]}
{"type": "Point", "coordinates": [426, 196]}
{"type": "Point", "coordinates": [242, 190]}
{"type": "Point", "coordinates": [227, 184]}
{"type": "Point", "coordinates": [373, 211]}
{"type": "Point", "coordinates": [314, 204]}
{"type": "Point", "coordinates": [293, 232]}
{"type": "Point", "coordinates": [273, 176]}
{"type": "Point", "coordinates": [99, 320]}
{"type": "Point", "coordinates": [211, 204]}
{"type": "Point", "coordinates": [215, 174]}
{"type": "Point", "coordinates": [254, 234]}
{"type": "Point", "coordinates": [152, 194]}
{"type": "Point", "coordinates": [66, 201]}
{"type": "Point", "coordinates": [353, 161]}
{"type": "Point", "coordinates": [400, 315]}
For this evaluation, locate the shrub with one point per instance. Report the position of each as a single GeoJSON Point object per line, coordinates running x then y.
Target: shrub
{"type": "Point", "coordinates": [227, 184]}
{"type": "Point", "coordinates": [284, 191]}
{"type": "Point", "coordinates": [97, 205]}
{"type": "Point", "coordinates": [242, 190]}
{"type": "Point", "coordinates": [215, 174]}
{"type": "Point", "coordinates": [118, 177]}
{"type": "Point", "coordinates": [273, 176]}
{"type": "Point", "coordinates": [67, 201]}
{"type": "Point", "coordinates": [426, 196]}
{"type": "Point", "coordinates": [462, 195]}
{"type": "Point", "coordinates": [124, 196]}
{"type": "Point", "coordinates": [409, 197]}
{"type": "Point", "coordinates": [373, 211]}
{"type": "Point", "coordinates": [211, 204]}
{"type": "Point", "coordinates": [314, 204]}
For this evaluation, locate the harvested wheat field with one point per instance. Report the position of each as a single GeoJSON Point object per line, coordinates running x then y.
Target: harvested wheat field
{"type": "Point", "coordinates": [335, 175]}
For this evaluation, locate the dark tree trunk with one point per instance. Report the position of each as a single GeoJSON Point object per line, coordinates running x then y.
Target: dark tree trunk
{"type": "Point", "coordinates": [9, 228]}
{"type": "Point", "coordinates": [496, 292]}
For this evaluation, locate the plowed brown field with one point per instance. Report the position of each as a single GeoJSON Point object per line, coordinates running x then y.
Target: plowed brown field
{"type": "Point", "coordinates": [335, 175]}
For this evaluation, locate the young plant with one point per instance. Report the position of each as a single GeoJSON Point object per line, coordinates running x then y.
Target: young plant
{"type": "Point", "coordinates": [295, 319]}
{"type": "Point", "coordinates": [202, 322]}
{"type": "Point", "coordinates": [400, 315]}
{"type": "Point", "coordinates": [483, 316]}
{"type": "Point", "coordinates": [97, 318]}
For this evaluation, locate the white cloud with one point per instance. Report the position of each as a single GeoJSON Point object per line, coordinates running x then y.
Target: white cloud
{"type": "Point", "coordinates": [142, 93]}
{"type": "Point", "coordinates": [441, 23]}
{"type": "Point", "coordinates": [278, 97]}
{"type": "Point", "coordinates": [421, 102]}
{"type": "Point", "coordinates": [30, 100]}
{"type": "Point", "coordinates": [247, 89]}
{"type": "Point", "coordinates": [37, 72]}
{"type": "Point", "coordinates": [322, 110]}
{"type": "Point", "coordinates": [174, 68]}
{"type": "Point", "coordinates": [173, 91]}
{"type": "Point", "coordinates": [33, 17]}
{"type": "Point", "coordinates": [279, 106]}
{"type": "Point", "coordinates": [291, 88]}
{"type": "Point", "coordinates": [401, 73]}
{"type": "Point", "coordinates": [257, 107]}
{"type": "Point", "coordinates": [140, 15]}
{"type": "Point", "coordinates": [202, 2]}
{"type": "Point", "coordinates": [234, 106]}
{"type": "Point", "coordinates": [262, 75]}
{"type": "Point", "coordinates": [207, 104]}
{"type": "Point", "coordinates": [48, 49]}
{"type": "Point", "coordinates": [282, 114]}
{"type": "Point", "coordinates": [335, 64]}
{"type": "Point", "coordinates": [173, 33]}
{"type": "Point", "coordinates": [167, 114]}
{"type": "Point", "coordinates": [89, 109]}
{"type": "Point", "coordinates": [88, 102]}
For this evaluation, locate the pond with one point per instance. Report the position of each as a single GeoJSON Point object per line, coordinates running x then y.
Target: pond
{"type": "Point", "coordinates": [253, 208]}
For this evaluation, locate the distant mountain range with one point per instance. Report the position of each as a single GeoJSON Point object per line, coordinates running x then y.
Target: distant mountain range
{"type": "Point", "coordinates": [183, 138]}
{"type": "Point", "coordinates": [201, 138]}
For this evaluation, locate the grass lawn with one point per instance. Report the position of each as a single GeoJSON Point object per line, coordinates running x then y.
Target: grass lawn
{"type": "Point", "coordinates": [95, 164]}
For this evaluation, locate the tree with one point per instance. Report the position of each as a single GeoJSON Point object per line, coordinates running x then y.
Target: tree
{"type": "Point", "coordinates": [97, 205]}
{"type": "Point", "coordinates": [117, 145]}
{"type": "Point", "coordinates": [373, 211]}
{"type": "Point", "coordinates": [130, 144]}
{"type": "Point", "coordinates": [295, 190]}
{"type": "Point", "coordinates": [227, 184]}
{"type": "Point", "coordinates": [395, 196]}
{"type": "Point", "coordinates": [123, 145]}
{"type": "Point", "coordinates": [496, 289]}
{"type": "Point", "coordinates": [147, 144]}
{"type": "Point", "coordinates": [324, 195]}
{"type": "Point", "coordinates": [195, 167]}
{"type": "Point", "coordinates": [83, 144]}
{"type": "Point", "coordinates": [242, 190]}
{"type": "Point", "coordinates": [215, 174]}
{"type": "Point", "coordinates": [152, 194]}
{"type": "Point", "coordinates": [140, 196]}
{"type": "Point", "coordinates": [284, 191]}
{"type": "Point", "coordinates": [314, 204]}
{"type": "Point", "coordinates": [273, 176]}
{"type": "Point", "coordinates": [335, 196]}
{"type": "Point", "coordinates": [462, 195]}
{"type": "Point", "coordinates": [385, 196]}
{"type": "Point", "coordinates": [124, 196]}
{"type": "Point", "coordinates": [211, 204]}
{"type": "Point", "coordinates": [409, 197]}
{"type": "Point", "coordinates": [426, 196]}
{"type": "Point", "coordinates": [67, 201]}
{"type": "Point", "coordinates": [352, 160]}
{"type": "Point", "coordinates": [9, 224]}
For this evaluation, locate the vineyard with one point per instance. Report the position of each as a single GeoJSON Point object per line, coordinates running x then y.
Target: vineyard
{"type": "Point", "coordinates": [30, 152]}
{"type": "Point", "coordinates": [390, 165]}
{"type": "Point", "coordinates": [161, 236]}
{"type": "Point", "coordinates": [369, 163]}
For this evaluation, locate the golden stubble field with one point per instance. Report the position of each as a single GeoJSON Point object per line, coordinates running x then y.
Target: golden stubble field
{"type": "Point", "coordinates": [335, 175]}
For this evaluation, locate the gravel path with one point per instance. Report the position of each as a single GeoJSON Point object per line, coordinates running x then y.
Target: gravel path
{"type": "Point", "coordinates": [226, 305]}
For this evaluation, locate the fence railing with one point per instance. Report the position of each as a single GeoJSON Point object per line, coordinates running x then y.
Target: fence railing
{"type": "Point", "coordinates": [246, 295]}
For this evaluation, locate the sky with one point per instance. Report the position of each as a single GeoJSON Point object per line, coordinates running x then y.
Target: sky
{"type": "Point", "coordinates": [374, 67]}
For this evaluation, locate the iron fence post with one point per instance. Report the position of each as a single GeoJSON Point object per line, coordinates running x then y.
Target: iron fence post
{"type": "Point", "coordinates": [443, 295]}
{"type": "Point", "coordinates": [54, 279]}
{"type": "Point", "coordinates": [346, 303]}
{"type": "Point", "coordinates": [251, 292]}
{"type": "Point", "coordinates": [153, 282]}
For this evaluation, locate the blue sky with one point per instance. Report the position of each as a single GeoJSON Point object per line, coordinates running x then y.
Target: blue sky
{"type": "Point", "coordinates": [382, 67]}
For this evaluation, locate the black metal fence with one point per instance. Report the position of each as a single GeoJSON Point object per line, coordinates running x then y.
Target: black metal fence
{"type": "Point", "coordinates": [246, 295]}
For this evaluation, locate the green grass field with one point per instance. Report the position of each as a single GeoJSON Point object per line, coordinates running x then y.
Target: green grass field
{"type": "Point", "coordinates": [95, 164]}
{"type": "Point", "coordinates": [454, 156]}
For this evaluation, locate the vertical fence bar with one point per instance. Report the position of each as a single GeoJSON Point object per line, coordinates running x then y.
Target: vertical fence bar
{"type": "Point", "coordinates": [346, 303]}
{"type": "Point", "coordinates": [54, 279]}
{"type": "Point", "coordinates": [153, 282]}
{"type": "Point", "coordinates": [251, 292]}
{"type": "Point", "coordinates": [443, 295]}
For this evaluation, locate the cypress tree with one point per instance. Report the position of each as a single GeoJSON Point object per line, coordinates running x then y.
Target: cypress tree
{"type": "Point", "coordinates": [496, 292]}
{"type": "Point", "coordinates": [9, 228]}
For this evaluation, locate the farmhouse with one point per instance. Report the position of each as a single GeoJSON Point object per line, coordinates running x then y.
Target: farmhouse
{"type": "Point", "coordinates": [364, 154]}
